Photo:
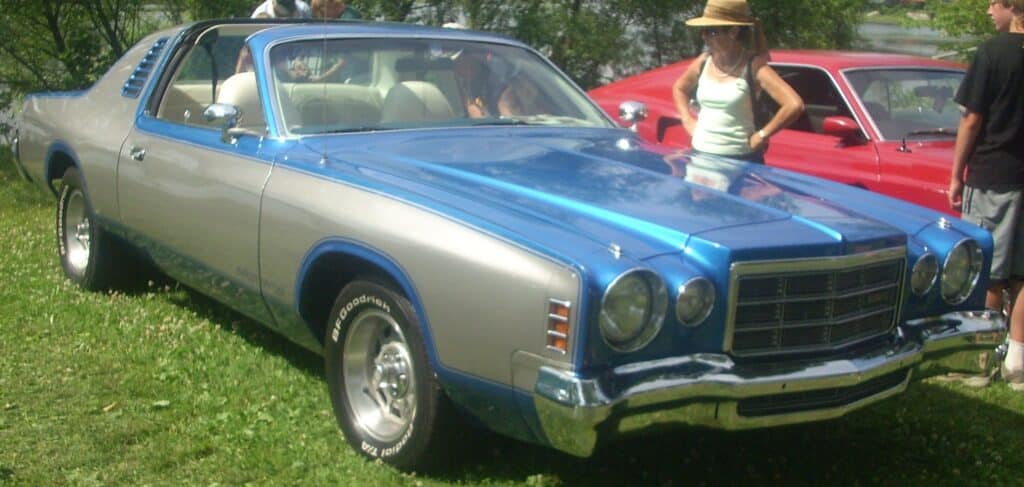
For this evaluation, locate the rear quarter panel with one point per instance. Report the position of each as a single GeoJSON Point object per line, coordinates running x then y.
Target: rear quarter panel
{"type": "Point", "coordinates": [88, 126]}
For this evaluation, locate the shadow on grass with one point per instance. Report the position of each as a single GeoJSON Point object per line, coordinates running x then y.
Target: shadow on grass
{"type": "Point", "coordinates": [251, 331]}
{"type": "Point", "coordinates": [931, 435]}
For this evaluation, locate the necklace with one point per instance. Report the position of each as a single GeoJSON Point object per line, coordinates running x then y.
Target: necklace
{"type": "Point", "coordinates": [731, 71]}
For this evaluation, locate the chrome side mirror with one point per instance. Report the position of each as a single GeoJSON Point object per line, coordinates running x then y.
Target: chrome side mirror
{"type": "Point", "coordinates": [228, 117]}
{"type": "Point", "coordinates": [632, 112]}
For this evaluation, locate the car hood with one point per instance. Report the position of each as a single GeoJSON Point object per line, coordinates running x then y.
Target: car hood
{"type": "Point", "coordinates": [602, 186]}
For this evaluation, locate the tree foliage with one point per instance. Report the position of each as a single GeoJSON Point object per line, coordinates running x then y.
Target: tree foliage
{"type": "Point", "coordinates": [961, 18]}
{"type": "Point", "coordinates": [67, 44]}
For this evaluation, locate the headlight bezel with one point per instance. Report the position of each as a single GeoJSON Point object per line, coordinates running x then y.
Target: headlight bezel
{"type": "Point", "coordinates": [699, 318]}
{"type": "Point", "coordinates": [655, 316]}
{"type": "Point", "coordinates": [976, 264]}
{"type": "Point", "coordinates": [926, 257]}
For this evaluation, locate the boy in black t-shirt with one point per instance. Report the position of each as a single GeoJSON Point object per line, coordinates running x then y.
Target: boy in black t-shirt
{"type": "Point", "coordinates": [990, 145]}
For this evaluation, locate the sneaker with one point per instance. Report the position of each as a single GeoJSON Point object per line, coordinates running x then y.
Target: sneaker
{"type": "Point", "coordinates": [1013, 379]}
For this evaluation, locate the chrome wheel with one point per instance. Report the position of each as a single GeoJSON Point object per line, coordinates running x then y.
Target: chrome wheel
{"type": "Point", "coordinates": [379, 380]}
{"type": "Point", "coordinates": [76, 231]}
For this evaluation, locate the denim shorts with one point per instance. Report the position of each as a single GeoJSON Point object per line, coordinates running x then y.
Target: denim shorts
{"type": "Point", "coordinates": [999, 212]}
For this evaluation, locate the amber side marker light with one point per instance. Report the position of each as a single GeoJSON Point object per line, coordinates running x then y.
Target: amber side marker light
{"type": "Point", "coordinates": [558, 326]}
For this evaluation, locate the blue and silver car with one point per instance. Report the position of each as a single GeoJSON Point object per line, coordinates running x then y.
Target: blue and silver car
{"type": "Point", "coordinates": [458, 229]}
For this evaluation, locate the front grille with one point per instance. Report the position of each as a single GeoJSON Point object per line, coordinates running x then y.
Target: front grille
{"type": "Point", "coordinates": [814, 305]}
{"type": "Point", "coordinates": [795, 402]}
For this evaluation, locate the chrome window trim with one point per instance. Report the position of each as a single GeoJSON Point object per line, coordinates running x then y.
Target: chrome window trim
{"type": "Point", "coordinates": [843, 72]}
{"type": "Point", "coordinates": [740, 269]}
{"type": "Point", "coordinates": [842, 94]}
{"type": "Point", "coordinates": [275, 104]}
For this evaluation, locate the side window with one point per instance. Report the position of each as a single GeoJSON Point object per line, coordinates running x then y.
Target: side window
{"type": "Point", "coordinates": [198, 79]}
{"type": "Point", "coordinates": [821, 97]}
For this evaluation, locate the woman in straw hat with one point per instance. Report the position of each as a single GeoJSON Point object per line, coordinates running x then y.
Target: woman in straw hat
{"type": "Point", "coordinates": [726, 79]}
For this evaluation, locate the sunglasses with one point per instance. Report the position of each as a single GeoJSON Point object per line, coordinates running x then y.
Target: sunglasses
{"type": "Point", "coordinates": [715, 31]}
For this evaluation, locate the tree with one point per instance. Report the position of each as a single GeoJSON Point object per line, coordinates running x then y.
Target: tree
{"type": "Point", "coordinates": [68, 44]}
{"type": "Point", "coordinates": [962, 19]}
{"type": "Point", "coordinates": [809, 24]}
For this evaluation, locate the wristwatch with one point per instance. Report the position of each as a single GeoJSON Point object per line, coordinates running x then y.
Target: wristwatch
{"type": "Point", "coordinates": [762, 134]}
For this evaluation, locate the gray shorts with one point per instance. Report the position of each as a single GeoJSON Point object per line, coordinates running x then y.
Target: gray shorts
{"type": "Point", "coordinates": [999, 212]}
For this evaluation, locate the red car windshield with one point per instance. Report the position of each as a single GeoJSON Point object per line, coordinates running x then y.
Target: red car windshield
{"type": "Point", "coordinates": [909, 102]}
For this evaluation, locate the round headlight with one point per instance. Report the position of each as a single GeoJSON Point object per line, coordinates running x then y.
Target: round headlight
{"type": "Point", "coordinates": [925, 272]}
{"type": "Point", "coordinates": [694, 301]}
{"type": "Point", "coordinates": [961, 270]}
{"type": "Point", "coordinates": [632, 310]}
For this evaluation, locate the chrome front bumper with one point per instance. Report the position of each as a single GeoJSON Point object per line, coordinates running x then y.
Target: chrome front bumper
{"type": "Point", "coordinates": [711, 390]}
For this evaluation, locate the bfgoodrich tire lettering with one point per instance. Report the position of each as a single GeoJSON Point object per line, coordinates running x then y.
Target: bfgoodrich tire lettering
{"type": "Point", "coordinates": [385, 396]}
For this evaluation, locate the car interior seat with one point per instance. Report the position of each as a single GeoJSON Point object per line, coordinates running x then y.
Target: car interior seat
{"type": "Point", "coordinates": [240, 90]}
{"type": "Point", "coordinates": [415, 101]}
{"type": "Point", "coordinates": [877, 111]}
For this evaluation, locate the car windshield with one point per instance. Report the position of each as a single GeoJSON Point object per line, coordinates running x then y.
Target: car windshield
{"type": "Point", "coordinates": [909, 102]}
{"type": "Point", "coordinates": [354, 85]}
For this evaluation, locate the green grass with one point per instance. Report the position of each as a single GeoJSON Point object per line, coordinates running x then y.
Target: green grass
{"type": "Point", "coordinates": [165, 387]}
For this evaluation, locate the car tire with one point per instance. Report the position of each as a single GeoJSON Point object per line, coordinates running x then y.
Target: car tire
{"type": "Point", "coordinates": [87, 252]}
{"type": "Point", "coordinates": [386, 398]}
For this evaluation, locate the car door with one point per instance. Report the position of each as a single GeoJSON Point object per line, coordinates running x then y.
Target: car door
{"type": "Point", "coordinates": [914, 119]}
{"type": "Point", "coordinates": [191, 198]}
{"type": "Point", "coordinates": [804, 147]}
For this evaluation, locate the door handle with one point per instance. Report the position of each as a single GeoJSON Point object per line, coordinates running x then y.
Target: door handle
{"type": "Point", "coordinates": [137, 153]}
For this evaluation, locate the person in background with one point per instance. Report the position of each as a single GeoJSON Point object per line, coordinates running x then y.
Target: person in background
{"type": "Point", "coordinates": [718, 79]}
{"type": "Point", "coordinates": [322, 66]}
{"type": "Point", "coordinates": [283, 9]}
{"type": "Point", "coordinates": [334, 9]}
{"type": "Point", "coordinates": [244, 61]}
{"type": "Point", "coordinates": [987, 180]}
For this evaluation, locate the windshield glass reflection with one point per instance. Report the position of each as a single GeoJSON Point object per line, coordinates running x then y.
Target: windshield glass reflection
{"type": "Point", "coordinates": [349, 85]}
{"type": "Point", "coordinates": [905, 102]}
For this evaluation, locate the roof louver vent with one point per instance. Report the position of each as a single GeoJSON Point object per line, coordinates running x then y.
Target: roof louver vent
{"type": "Point", "coordinates": [133, 86]}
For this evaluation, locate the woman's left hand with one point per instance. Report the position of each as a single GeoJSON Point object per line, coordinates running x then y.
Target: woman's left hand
{"type": "Point", "coordinates": [756, 142]}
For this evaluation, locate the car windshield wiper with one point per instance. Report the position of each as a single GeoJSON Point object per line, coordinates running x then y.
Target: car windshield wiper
{"type": "Point", "coordinates": [935, 131]}
{"type": "Point", "coordinates": [947, 132]}
{"type": "Point", "coordinates": [350, 130]}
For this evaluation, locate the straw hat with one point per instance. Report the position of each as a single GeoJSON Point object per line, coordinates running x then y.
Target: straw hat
{"type": "Point", "coordinates": [724, 12]}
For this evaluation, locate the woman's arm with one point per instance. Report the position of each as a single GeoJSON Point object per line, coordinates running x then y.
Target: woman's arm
{"type": "Point", "coordinates": [682, 89]}
{"type": "Point", "coordinates": [790, 103]}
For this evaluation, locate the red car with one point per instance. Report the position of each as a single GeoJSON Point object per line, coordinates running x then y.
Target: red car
{"type": "Point", "coordinates": [883, 122]}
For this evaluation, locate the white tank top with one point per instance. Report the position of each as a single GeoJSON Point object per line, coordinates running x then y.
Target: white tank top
{"type": "Point", "coordinates": [726, 119]}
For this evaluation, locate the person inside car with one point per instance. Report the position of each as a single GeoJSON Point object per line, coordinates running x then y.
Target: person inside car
{"type": "Point", "coordinates": [487, 88]}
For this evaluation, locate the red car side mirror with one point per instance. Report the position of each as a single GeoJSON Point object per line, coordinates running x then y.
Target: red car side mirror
{"type": "Point", "coordinates": [837, 126]}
